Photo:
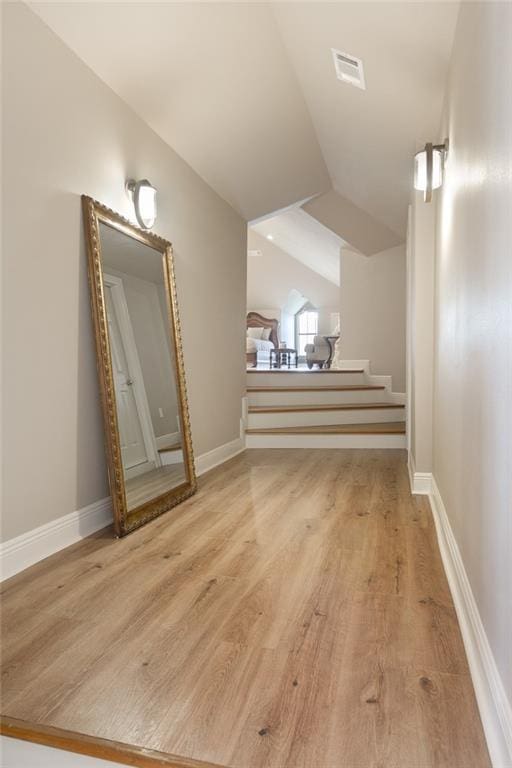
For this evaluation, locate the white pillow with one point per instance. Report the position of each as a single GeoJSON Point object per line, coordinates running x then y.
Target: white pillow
{"type": "Point", "coordinates": [254, 333]}
{"type": "Point", "coordinates": [266, 333]}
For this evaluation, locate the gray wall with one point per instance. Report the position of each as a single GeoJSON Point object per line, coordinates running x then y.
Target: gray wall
{"type": "Point", "coordinates": [66, 133]}
{"type": "Point", "coordinates": [372, 309]}
{"type": "Point", "coordinates": [473, 339]}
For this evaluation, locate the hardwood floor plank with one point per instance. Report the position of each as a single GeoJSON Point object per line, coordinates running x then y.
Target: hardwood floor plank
{"type": "Point", "coordinates": [293, 614]}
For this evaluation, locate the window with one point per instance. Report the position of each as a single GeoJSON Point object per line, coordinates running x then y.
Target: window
{"type": "Point", "coordinates": [306, 325]}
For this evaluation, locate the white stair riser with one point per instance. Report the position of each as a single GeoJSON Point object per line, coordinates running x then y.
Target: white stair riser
{"type": "Point", "coordinates": [304, 379]}
{"type": "Point", "coordinates": [317, 418]}
{"type": "Point", "coordinates": [318, 398]}
{"type": "Point", "coordinates": [171, 457]}
{"type": "Point", "coordinates": [325, 441]}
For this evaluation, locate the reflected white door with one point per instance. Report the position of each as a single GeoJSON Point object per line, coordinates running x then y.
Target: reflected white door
{"type": "Point", "coordinates": [133, 448]}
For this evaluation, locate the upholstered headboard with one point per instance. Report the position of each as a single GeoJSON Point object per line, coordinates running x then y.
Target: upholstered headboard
{"type": "Point", "coordinates": [255, 320]}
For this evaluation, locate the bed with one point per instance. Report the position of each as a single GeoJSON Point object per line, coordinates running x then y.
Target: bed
{"type": "Point", "coordinates": [259, 348]}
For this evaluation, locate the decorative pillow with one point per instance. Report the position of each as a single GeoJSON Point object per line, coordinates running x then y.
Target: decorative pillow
{"type": "Point", "coordinates": [266, 333]}
{"type": "Point", "coordinates": [255, 333]}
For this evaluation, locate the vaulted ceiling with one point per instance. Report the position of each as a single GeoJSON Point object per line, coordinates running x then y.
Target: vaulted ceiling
{"type": "Point", "coordinates": [306, 239]}
{"type": "Point", "coordinates": [246, 93]}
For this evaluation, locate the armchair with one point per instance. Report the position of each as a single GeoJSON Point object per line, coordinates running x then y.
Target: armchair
{"type": "Point", "coordinates": [317, 353]}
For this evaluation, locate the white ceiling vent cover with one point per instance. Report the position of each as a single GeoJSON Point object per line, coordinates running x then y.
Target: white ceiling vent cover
{"type": "Point", "coordinates": [349, 68]}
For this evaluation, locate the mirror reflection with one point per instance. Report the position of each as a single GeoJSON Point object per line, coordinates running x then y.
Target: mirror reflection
{"type": "Point", "coordinates": [143, 367]}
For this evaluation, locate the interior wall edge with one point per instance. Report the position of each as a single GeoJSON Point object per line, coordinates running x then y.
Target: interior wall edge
{"type": "Point", "coordinates": [494, 707]}
{"type": "Point", "coordinates": [420, 482]}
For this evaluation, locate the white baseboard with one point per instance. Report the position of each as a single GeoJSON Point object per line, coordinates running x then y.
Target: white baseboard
{"type": "Point", "coordinates": [495, 710]}
{"type": "Point", "coordinates": [420, 482]}
{"type": "Point", "coordinates": [31, 547]}
{"type": "Point", "coordinates": [219, 455]}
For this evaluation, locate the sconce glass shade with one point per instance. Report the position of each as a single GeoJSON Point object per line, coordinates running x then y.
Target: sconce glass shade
{"type": "Point", "coordinates": [144, 202]}
{"type": "Point", "coordinates": [428, 169]}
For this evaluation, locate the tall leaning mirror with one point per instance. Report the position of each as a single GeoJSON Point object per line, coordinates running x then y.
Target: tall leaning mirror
{"type": "Point", "coordinates": [140, 366]}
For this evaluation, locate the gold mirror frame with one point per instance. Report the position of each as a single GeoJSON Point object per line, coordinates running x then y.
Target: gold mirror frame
{"type": "Point", "coordinates": [124, 521]}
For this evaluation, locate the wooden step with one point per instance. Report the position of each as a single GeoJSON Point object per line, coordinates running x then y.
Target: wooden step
{"type": "Point", "coordinates": [322, 407]}
{"type": "Point", "coordinates": [384, 428]}
{"type": "Point", "coordinates": [173, 447]}
{"type": "Point", "coordinates": [319, 388]}
{"type": "Point", "coordinates": [316, 372]}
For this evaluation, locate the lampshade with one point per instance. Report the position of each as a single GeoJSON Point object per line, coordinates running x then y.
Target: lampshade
{"type": "Point", "coordinates": [144, 202]}
{"type": "Point", "coordinates": [428, 169]}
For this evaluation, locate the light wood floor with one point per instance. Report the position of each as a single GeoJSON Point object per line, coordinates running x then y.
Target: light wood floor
{"type": "Point", "coordinates": [293, 614]}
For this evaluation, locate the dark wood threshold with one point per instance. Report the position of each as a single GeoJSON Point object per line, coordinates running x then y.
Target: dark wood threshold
{"type": "Point", "coordinates": [115, 751]}
{"type": "Point", "coordinates": [323, 407]}
{"type": "Point", "coordinates": [175, 447]}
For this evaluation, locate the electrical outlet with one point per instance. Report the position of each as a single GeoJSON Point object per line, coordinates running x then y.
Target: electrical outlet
{"type": "Point", "coordinates": [161, 412]}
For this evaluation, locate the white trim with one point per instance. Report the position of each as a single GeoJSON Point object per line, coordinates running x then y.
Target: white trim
{"type": "Point", "coordinates": [408, 325]}
{"type": "Point", "coordinates": [495, 710]}
{"type": "Point", "coordinates": [171, 457]}
{"type": "Point", "coordinates": [295, 440]}
{"type": "Point", "coordinates": [219, 455]}
{"type": "Point", "coordinates": [164, 440]}
{"type": "Point", "coordinates": [245, 414]}
{"type": "Point", "coordinates": [120, 306]}
{"type": "Point", "coordinates": [35, 545]}
{"type": "Point", "coordinates": [364, 364]}
{"type": "Point", "coordinates": [420, 482]}
{"type": "Point", "coordinates": [31, 547]}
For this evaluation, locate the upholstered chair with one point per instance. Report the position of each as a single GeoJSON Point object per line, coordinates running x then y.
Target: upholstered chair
{"type": "Point", "coordinates": [317, 353]}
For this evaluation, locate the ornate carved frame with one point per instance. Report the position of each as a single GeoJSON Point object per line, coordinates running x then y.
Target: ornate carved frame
{"type": "Point", "coordinates": [125, 521]}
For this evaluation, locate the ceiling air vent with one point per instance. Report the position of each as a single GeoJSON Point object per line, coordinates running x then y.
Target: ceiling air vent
{"type": "Point", "coordinates": [348, 68]}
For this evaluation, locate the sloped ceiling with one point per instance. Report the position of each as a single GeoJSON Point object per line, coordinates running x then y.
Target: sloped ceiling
{"type": "Point", "coordinates": [361, 231]}
{"type": "Point", "coordinates": [246, 92]}
{"type": "Point", "coordinates": [215, 82]}
{"type": "Point", "coordinates": [368, 138]}
{"type": "Point", "coordinates": [306, 239]}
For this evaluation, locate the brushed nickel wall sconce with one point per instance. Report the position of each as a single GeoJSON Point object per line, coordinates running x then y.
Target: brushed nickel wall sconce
{"type": "Point", "coordinates": [143, 195]}
{"type": "Point", "coordinates": [429, 167]}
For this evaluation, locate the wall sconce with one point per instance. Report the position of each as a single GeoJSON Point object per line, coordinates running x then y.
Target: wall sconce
{"type": "Point", "coordinates": [428, 168]}
{"type": "Point", "coordinates": [143, 195]}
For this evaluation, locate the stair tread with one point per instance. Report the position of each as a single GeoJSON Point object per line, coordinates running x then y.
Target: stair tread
{"type": "Point", "coordinates": [325, 388]}
{"type": "Point", "coordinates": [384, 428]}
{"type": "Point", "coordinates": [173, 447]}
{"type": "Point", "coordinates": [322, 407]}
{"type": "Point", "coordinates": [307, 372]}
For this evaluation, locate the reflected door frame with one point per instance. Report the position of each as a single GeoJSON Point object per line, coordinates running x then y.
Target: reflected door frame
{"type": "Point", "coordinates": [115, 284]}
